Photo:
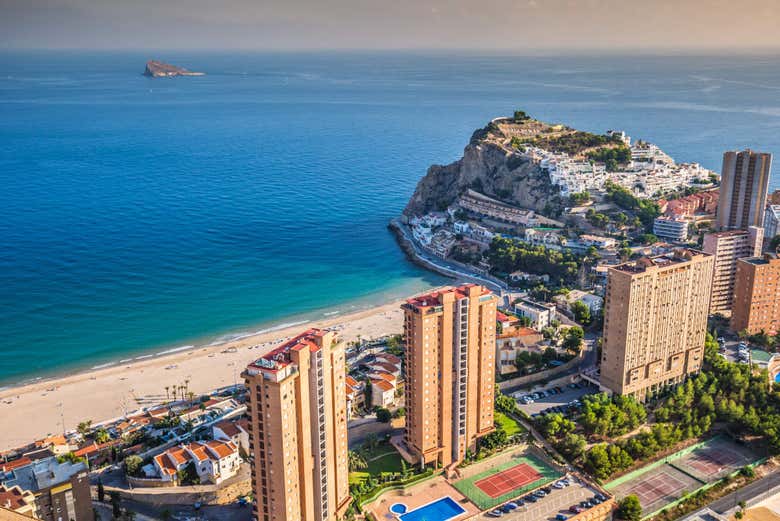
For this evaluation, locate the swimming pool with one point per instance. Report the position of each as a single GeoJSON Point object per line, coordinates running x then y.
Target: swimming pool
{"type": "Point", "coordinates": [439, 510]}
{"type": "Point", "coordinates": [398, 508]}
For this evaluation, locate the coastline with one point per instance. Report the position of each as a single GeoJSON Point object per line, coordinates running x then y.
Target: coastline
{"type": "Point", "coordinates": [37, 409]}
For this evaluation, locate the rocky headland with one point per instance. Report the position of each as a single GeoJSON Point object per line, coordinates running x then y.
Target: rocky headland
{"type": "Point", "coordinates": [156, 69]}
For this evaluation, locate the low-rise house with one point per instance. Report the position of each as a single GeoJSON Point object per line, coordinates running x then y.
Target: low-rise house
{"type": "Point", "coordinates": [17, 500]}
{"type": "Point", "coordinates": [540, 314]}
{"type": "Point", "coordinates": [597, 241]}
{"type": "Point", "coordinates": [379, 365]}
{"type": "Point", "coordinates": [60, 490]}
{"type": "Point", "coordinates": [170, 462]}
{"type": "Point", "coordinates": [594, 302]}
{"type": "Point", "coordinates": [214, 461]}
{"type": "Point", "coordinates": [96, 454]}
{"type": "Point", "coordinates": [236, 432]}
{"type": "Point", "coordinates": [522, 276]}
{"type": "Point", "coordinates": [511, 342]}
{"type": "Point", "coordinates": [382, 392]}
{"type": "Point", "coordinates": [356, 396]}
{"type": "Point", "coordinates": [389, 359]}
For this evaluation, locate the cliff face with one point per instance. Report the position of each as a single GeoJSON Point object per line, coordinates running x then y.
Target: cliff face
{"type": "Point", "coordinates": [156, 69]}
{"type": "Point", "coordinates": [491, 167]}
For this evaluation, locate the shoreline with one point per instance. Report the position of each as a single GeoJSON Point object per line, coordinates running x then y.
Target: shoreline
{"type": "Point", "coordinates": [38, 408]}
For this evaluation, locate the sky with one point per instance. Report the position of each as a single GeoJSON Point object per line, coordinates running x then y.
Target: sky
{"type": "Point", "coordinates": [514, 25]}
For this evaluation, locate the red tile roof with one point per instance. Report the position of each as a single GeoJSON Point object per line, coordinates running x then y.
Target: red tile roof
{"type": "Point", "coordinates": [383, 384]}
{"type": "Point", "coordinates": [351, 381]}
{"type": "Point", "coordinates": [221, 449]}
{"type": "Point", "coordinates": [15, 464]}
{"type": "Point", "coordinates": [165, 464]}
{"type": "Point", "coordinates": [434, 298]}
{"type": "Point", "coordinates": [281, 355]}
{"type": "Point", "coordinates": [229, 428]}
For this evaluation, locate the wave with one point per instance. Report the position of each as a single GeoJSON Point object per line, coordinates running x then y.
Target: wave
{"type": "Point", "coordinates": [103, 366]}
{"type": "Point", "coordinates": [175, 350]}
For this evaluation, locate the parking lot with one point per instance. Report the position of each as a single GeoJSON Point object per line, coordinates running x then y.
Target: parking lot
{"type": "Point", "coordinates": [555, 400]}
{"type": "Point", "coordinates": [557, 502]}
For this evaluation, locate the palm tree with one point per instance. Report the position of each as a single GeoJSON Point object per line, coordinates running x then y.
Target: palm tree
{"type": "Point", "coordinates": [166, 393]}
{"type": "Point", "coordinates": [356, 461]}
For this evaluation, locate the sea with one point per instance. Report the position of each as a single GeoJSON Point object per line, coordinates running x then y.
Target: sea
{"type": "Point", "coordinates": [140, 216]}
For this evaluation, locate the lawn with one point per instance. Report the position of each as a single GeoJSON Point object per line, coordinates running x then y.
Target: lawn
{"type": "Point", "coordinates": [381, 458]}
{"type": "Point", "coordinates": [510, 426]}
{"type": "Point", "coordinates": [468, 488]}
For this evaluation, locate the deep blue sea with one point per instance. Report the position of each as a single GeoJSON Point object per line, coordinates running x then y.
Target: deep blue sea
{"type": "Point", "coordinates": [138, 214]}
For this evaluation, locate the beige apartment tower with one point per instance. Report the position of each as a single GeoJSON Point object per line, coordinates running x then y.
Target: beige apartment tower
{"type": "Point", "coordinates": [655, 321]}
{"type": "Point", "coordinates": [743, 190]}
{"type": "Point", "coordinates": [728, 247]}
{"type": "Point", "coordinates": [450, 372]}
{"type": "Point", "coordinates": [298, 430]}
{"type": "Point", "coordinates": [757, 295]}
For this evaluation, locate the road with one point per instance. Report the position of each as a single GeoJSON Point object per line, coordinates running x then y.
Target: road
{"type": "Point", "coordinates": [557, 399]}
{"type": "Point", "coordinates": [746, 493]}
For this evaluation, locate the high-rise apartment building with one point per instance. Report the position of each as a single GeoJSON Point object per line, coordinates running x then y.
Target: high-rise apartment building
{"type": "Point", "coordinates": [298, 430]}
{"type": "Point", "coordinates": [743, 190]}
{"type": "Point", "coordinates": [757, 295]}
{"type": "Point", "coordinates": [655, 321]}
{"type": "Point", "coordinates": [450, 372]}
{"type": "Point", "coordinates": [727, 247]}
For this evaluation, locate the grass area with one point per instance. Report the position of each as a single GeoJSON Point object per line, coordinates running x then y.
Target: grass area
{"type": "Point", "coordinates": [510, 426]}
{"type": "Point", "coordinates": [381, 458]}
{"type": "Point", "coordinates": [468, 488]}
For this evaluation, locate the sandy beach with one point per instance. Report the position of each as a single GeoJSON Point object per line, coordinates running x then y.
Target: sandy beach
{"type": "Point", "coordinates": [36, 410]}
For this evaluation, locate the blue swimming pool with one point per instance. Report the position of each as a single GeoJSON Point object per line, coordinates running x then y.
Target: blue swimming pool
{"type": "Point", "coordinates": [398, 508]}
{"type": "Point", "coordinates": [777, 378]}
{"type": "Point", "coordinates": [439, 510]}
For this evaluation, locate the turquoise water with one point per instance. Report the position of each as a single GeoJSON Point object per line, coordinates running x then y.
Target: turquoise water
{"type": "Point", "coordinates": [138, 215]}
{"type": "Point", "coordinates": [440, 510]}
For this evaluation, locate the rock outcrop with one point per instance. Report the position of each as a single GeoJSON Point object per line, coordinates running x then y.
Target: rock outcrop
{"type": "Point", "coordinates": [491, 166]}
{"type": "Point", "coordinates": [155, 69]}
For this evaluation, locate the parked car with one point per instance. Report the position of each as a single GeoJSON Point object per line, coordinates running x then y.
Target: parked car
{"type": "Point", "coordinates": [575, 509]}
{"type": "Point", "coordinates": [561, 517]}
{"type": "Point", "coordinates": [495, 513]}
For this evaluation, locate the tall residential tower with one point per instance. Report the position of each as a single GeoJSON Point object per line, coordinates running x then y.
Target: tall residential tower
{"type": "Point", "coordinates": [728, 247]}
{"type": "Point", "coordinates": [655, 321]}
{"type": "Point", "coordinates": [450, 367]}
{"type": "Point", "coordinates": [743, 190]}
{"type": "Point", "coordinates": [757, 295]}
{"type": "Point", "coordinates": [298, 430]}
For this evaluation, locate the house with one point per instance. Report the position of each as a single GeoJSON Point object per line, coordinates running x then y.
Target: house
{"type": "Point", "coordinates": [594, 302]}
{"type": "Point", "coordinates": [356, 397]}
{"type": "Point", "coordinates": [522, 276]}
{"type": "Point", "coordinates": [170, 462]}
{"type": "Point", "coordinates": [382, 393]}
{"type": "Point", "coordinates": [461, 227]}
{"type": "Point", "coordinates": [597, 241]}
{"type": "Point", "coordinates": [389, 359]}
{"type": "Point", "coordinates": [504, 321]}
{"type": "Point", "coordinates": [511, 342]}
{"type": "Point", "coordinates": [214, 460]}
{"type": "Point", "coordinates": [379, 365]}
{"type": "Point", "coordinates": [236, 432]}
{"type": "Point", "coordinates": [17, 500]}
{"type": "Point", "coordinates": [540, 314]}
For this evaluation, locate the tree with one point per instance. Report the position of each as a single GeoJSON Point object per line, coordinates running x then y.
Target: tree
{"type": "Point", "coordinates": [521, 115]}
{"type": "Point", "coordinates": [581, 312]}
{"type": "Point", "coordinates": [774, 243]}
{"type": "Point", "coordinates": [101, 435]}
{"type": "Point", "coordinates": [356, 461]}
{"type": "Point", "coordinates": [572, 445]}
{"type": "Point", "coordinates": [573, 339]}
{"type": "Point", "coordinates": [383, 415]}
{"type": "Point", "coordinates": [84, 427]}
{"type": "Point", "coordinates": [133, 465]}
{"type": "Point", "coordinates": [596, 462]}
{"type": "Point", "coordinates": [116, 504]}
{"type": "Point", "coordinates": [101, 491]}
{"type": "Point", "coordinates": [629, 508]}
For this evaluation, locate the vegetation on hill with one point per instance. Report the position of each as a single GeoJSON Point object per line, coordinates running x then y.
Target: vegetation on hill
{"type": "Point", "coordinates": [645, 209]}
{"type": "Point", "coordinates": [612, 157]}
{"type": "Point", "coordinates": [507, 255]}
{"type": "Point", "coordinates": [572, 142]}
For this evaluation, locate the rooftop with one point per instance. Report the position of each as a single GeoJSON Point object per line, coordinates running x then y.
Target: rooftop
{"type": "Point", "coordinates": [44, 474]}
{"type": "Point", "coordinates": [280, 357]}
{"type": "Point", "coordinates": [676, 257]}
{"type": "Point", "coordinates": [435, 298]}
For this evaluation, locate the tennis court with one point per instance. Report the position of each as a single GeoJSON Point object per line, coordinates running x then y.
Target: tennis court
{"type": "Point", "coordinates": [508, 480]}
{"type": "Point", "coordinates": [715, 458]}
{"type": "Point", "coordinates": [505, 481]}
{"type": "Point", "coordinates": [658, 486]}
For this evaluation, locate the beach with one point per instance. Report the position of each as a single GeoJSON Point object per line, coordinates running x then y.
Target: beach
{"type": "Point", "coordinates": [33, 411]}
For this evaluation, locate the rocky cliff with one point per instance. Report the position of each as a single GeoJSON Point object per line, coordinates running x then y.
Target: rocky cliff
{"type": "Point", "coordinates": [492, 166]}
{"type": "Point", "coordinates": [156, 69]}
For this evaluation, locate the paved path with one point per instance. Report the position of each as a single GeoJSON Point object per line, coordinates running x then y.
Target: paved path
{"type": "Point", "coordinates": [746, 493]}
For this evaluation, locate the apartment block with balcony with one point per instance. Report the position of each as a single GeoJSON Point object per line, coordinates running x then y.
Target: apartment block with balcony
{"type": "Point", "coordinates": [655, 321]}
{"type": "Point", "coordinates": [743, 190]}
{"type": "Point", "coordinates": [757, 295]}
{"type": "Point", "coordinates": [450, 372]}
{"type": "Point", "coordinates": [298, 430]}
{"type": "Point", "coordinates": [728, 247]}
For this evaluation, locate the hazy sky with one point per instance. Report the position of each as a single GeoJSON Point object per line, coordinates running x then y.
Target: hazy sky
{"type": "Point", "coordinates": [428, 24]}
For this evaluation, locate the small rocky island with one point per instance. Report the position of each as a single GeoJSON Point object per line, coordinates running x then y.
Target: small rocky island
{"type": "Point", "coordinates": [155, 69]}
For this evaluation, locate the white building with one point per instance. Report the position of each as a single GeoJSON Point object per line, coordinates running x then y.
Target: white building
{"type": "Point", "coordinates": [771, 222]}
{"type": "Point", "coordinates": [540, 314]}
{"type": "Point", "coordinates": [235, 432]}
{"type": "Point", "coordinates": [671, 228]}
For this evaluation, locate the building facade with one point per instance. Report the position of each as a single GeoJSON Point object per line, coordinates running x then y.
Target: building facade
{"type": "Point", "coordinates": [298, 430]}
{"type": "Point", "coordinates": [727, 247]}
{"type": "Point", "coordinates": [743, 190]}
{"type": "Point", "coordinates": [671, 228]}
{"type": "Point", "coordinates": [541, 315]}
{"type": "Point", "coordinates": [450, 372]}
{"type": "Point", "coordinates": [61, 490]}
{"type": "Point", "coordinates": [757, 295]}
{"type": "Point", "coordinates": [772, 221]}
{"type": "Point", "coordinates": [655, 321]}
